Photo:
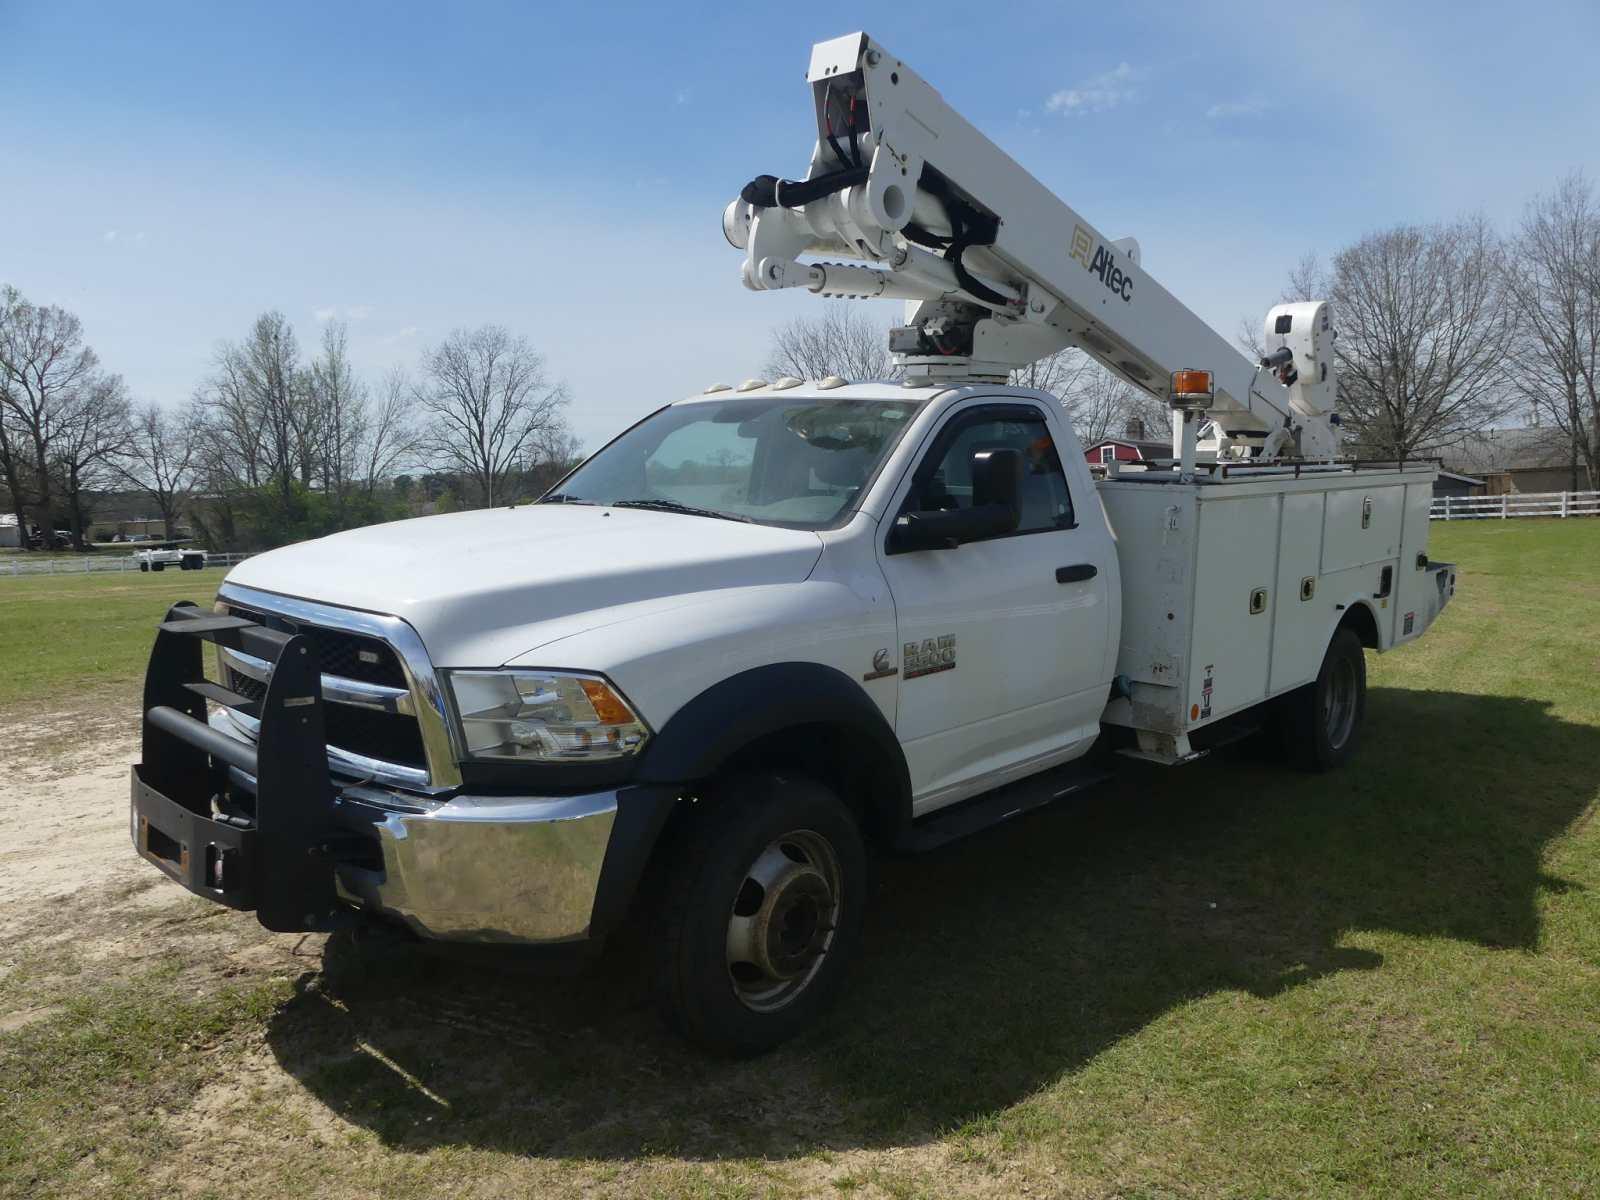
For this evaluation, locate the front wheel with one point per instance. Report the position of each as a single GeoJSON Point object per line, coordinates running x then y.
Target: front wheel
{"type": "Point", "coordinates": [1322, 721]}
{"type": "Point", "coordinates": [763, 913]}
{"type": "Point", "coordinates": [144, 566]}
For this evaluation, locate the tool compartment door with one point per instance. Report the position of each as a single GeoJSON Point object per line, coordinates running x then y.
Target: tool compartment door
{"type": "Point", "coordinates": [1300, 617]}
{"type": "Point", "coordinates": [1234, 599]}
{"type": "Point", "coordinates": [1362, 526]}
{"type": "Point", "coordinates": [1418, 598]}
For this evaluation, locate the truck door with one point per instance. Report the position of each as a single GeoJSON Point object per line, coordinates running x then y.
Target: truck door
{"type": "Point", "coordinates": [1003, 663]}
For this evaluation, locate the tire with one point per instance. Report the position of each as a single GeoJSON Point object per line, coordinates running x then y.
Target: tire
{"type": "Point", "coordinates": [158, 566]}
{"type": "Point", "coordinates": [144, 566]}
{"type": "Point", "coordinates": [745, 955]}
{"type": "Point", "coordinates": [1322, 721]}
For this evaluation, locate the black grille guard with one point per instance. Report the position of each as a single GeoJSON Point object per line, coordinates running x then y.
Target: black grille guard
{"type": "Point", "coordinates": [277, 859]}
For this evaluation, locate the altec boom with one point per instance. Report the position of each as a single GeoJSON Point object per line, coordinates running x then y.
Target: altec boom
{"type": "Point", "coordinates": [998, 271]}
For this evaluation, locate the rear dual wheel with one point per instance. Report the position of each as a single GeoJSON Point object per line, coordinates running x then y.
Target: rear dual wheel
{"type": "Point", "coordinates": [1322, 721]}
{"type": "Point", "coordinates": [763, 912]}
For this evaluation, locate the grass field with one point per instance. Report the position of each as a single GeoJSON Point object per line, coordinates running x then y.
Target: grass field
{"type": "Point", "coordinates": [63, 635]}
{"type": "Point", "coordinates": [1224, 980]}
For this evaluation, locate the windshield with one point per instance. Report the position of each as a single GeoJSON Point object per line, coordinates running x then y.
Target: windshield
{"type": "Point", "coordinates": [800, 462]}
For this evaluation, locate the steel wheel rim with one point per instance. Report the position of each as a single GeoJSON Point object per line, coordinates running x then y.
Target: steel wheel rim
{"type": "Point", "coordinates": [1339, 703]}
{"type": "Point", "coordinates": [783, 919]}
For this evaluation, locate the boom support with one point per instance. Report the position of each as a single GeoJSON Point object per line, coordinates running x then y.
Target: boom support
{"type": "Point", "coordinates": [998, 271]}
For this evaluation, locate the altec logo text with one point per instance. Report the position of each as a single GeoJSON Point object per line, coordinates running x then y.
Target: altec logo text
{"type": "Point", "coordinates": [1102, 264]}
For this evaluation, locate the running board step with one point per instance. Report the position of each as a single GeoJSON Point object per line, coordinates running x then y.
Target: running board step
{"type": "Point", "coordinates": [1002, 804]}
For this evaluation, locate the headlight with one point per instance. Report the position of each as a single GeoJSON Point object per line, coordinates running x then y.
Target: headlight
{"type": "Point", "coordinates": [544, 716]}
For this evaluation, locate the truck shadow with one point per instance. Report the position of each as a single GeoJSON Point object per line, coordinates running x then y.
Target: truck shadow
{"type": "Point", "coordinates": [991, 967]}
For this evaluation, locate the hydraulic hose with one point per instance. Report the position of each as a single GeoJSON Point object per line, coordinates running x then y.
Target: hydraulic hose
{"type": "Point", "coordinates": [768, 191]}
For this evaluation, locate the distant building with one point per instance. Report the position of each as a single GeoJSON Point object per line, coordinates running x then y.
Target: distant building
{"type": "Point", "coordinates": [1533, 459]}
{"type": "Point", "coordinates": [10, 535]}
{"type": "Point", "coordinates": [1450, 483]}
{"type": "Point", "coordinates": [1134, 446]}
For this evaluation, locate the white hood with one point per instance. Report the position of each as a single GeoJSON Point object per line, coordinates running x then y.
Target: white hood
{"type": "Point", "coordinates": [483, 587]}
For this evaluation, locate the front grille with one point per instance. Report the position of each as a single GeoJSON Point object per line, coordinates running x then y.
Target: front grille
{"type": "Point", "coordinates": [352, 655]}
{"type": "Point", "coordinates": [388, 737]}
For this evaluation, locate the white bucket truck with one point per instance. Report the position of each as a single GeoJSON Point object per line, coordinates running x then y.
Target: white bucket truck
{"type": "Point", "coordinates": [773, 628]}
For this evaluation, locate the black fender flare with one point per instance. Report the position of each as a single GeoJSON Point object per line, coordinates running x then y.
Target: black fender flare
{"type": "Point", "coordinates": [711, 729]}
{"type": "Point", "coordinates": [729, 715]}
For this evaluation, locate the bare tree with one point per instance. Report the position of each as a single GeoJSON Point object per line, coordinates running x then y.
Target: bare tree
{"type": "Point", "coordinates": [163, 451]}
{"type": "Point", "coordinates": [1553, 280]}
{"type": "Point", "coordinates": [94, 434]}
{"type": "Point", "coordinates": [1060, 373]}
{"type": "Point", "coordinates": [490, 408]}
{"type": "Point", "coordinates": [1098, 403]}
{"type": "Point", "coordinates": [840, 342]}
{"type": "Point", "coordinates": [233, 451]}
{"type": "Point", "coordinates": [13, 463]}
{"type": "Point", "coordinates": [44, 365]}
{"type": "Point", "coordinates": [1103, 405]}
{"type": "Point", "coordinates": [1423, 334]}
{"type": "Point", "coordinates": [274, 388]}
{"type": "Point", "coordinates": [339, 412]}
{"type": "Point", "coordinates": [265, 424]}
{"type": "Point", "coordinates": [389, 438]}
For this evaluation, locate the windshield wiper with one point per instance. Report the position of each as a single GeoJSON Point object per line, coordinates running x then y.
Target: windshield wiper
{"type": "Point", "coordinates": [563, 498]}
{"type": "Point", "coordinates": [673, 506]}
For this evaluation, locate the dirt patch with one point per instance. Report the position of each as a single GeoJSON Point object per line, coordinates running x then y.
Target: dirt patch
{"type": "Point", "coordinates": [63, 818]}
{"type": "Point", "coordinates": [75, 896]}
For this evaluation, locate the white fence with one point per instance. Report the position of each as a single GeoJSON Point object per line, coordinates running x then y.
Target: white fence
{"type": "Point", "coordinates": [28, 564]}
{"type": "Point", "coordinates": [1516, 504]}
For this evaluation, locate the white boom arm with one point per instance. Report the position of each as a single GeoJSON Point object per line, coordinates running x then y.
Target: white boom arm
{"type": "Point", "coordinates": [997, 270]}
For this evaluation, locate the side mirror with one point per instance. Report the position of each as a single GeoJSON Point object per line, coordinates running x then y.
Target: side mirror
{"type": "Point", "coordinates": [996, 485]}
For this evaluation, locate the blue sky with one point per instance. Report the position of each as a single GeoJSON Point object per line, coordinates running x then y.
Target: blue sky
{"type": "Point", "coordinates": [170, 170]}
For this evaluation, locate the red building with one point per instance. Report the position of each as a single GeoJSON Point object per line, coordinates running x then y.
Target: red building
{"type": "Point", "coordinates": [1126, 449]}
{"type": "Point", "coordinates": [1132, 446]}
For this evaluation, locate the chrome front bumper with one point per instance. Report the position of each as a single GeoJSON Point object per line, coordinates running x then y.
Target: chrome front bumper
{"type": "Point", "coordinates": [485, 868]}
{"type": "Point", "coordinates": [518, 869]}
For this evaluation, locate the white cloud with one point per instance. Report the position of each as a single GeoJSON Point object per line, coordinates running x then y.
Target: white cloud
{"type": "Point", "coordinates": [138, 238]}
{"type": "Point", "coordinates": [1226, 109]}
{"type": "Point", "coordinates": [407, 334]}
{"type": "Point", "coordinates": [684, 95]}
{"type": "Point", "coordinates": [1101, 93]}
{"type": "Point", "coordinates": [350, 312]}
{"type": "Point", "coordinates": [109, 236]}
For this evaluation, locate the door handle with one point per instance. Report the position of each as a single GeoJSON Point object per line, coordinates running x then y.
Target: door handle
{"type": "Point", "coordinates": [1077, 573]}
